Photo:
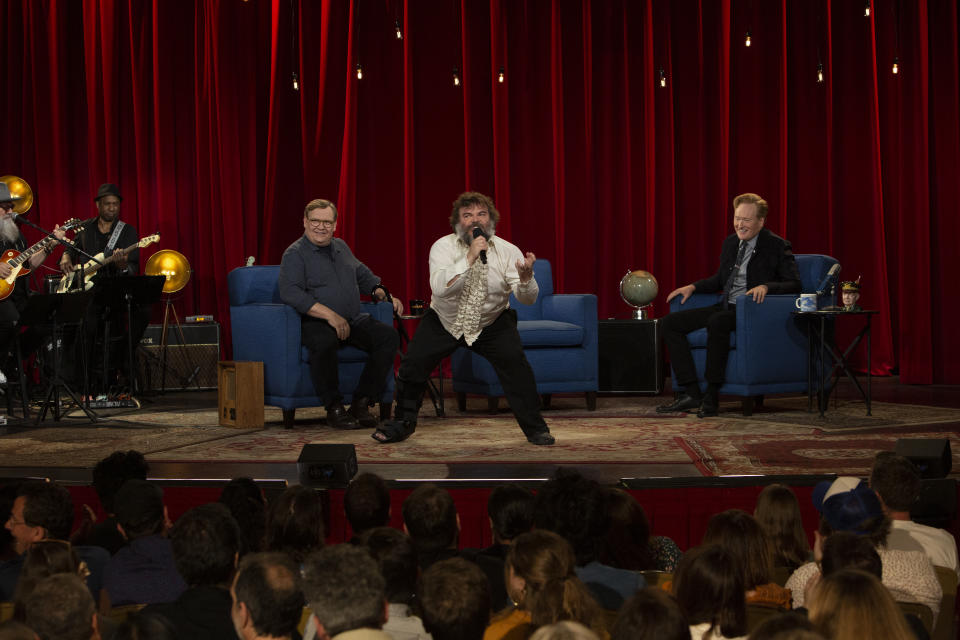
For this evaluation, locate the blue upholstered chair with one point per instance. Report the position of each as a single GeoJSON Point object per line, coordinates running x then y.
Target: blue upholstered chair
{"type": "Point", "coordinates": [768, 350]}
{"type": "Point", "coordinates": [559, 334]}
{"type": "Point", "coordinates": [265, 329]}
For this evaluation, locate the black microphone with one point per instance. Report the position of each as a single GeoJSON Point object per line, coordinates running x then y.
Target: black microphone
{"type": "Point", "coordinates": [834, 270]}
{"type": "Point", "coordinates": [477, 232]}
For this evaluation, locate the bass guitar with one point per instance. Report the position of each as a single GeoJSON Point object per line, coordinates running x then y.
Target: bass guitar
{"type": "Point", "coordinates": [17, 259]}
{"type": "Point", "coordinates": [90, 267]}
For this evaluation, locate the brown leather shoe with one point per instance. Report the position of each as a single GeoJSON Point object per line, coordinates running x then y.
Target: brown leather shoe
{"type": "Point", "coordinates": [339, 418]}
{"type": "Point", "coordinates": [360, 411]}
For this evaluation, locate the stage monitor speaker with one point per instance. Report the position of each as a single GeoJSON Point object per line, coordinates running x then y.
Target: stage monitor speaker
{"type": "Point", "coordinates": [629, 356]}
{"type": "Point", "coordinates": [931, 455]}
{"type": "Point", "coordinates": [188, 365]}
{"type": "Point", "coordinates": [327, 464]}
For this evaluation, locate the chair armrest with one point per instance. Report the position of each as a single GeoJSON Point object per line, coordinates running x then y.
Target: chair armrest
{"type": "Point", "coordinates": [266, 332]}
{"type": "Point", "coordinates": [770, 338]}
{"type": "Point", "coordinates": [382, 311]}
{"type": "Point", "coordinates": [579, 309]}
{"type": "Point", "coordinates": [695, 301]}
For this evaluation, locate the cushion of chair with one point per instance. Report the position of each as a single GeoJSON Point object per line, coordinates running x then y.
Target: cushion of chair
{"type": "Point", "coordinates": [698, 339]}
{"type": "Point", "coordinates": [549, 333]}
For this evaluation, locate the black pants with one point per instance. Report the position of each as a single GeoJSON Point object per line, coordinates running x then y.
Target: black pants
{"type": "Point", "coordinates": [719, 322]}
{"type": "Point", "coordinates": [377, 339]}
{"type": "Point", "coordinates": [499, 343]}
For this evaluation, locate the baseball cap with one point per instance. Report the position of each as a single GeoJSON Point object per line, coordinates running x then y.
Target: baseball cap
{"type": "Point", "coordinates": [846, 503]}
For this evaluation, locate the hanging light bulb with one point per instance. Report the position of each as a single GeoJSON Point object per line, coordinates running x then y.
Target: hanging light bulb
{"type": "Point", "coordinates": [820, 72]}
{"type": "Point", "coordinates": [748, 41]}
{"type": "Point", "coordinates": [896, 66]}
{"type": "Point", "coordinates": [500, 76]}
{"type": "Point", "coordinates": [296, 82]}
{"type": "Point", "coordinates": [359, 71]}
{"type": "Point", "coordinates": [866, 9]}
{"type": "Point", "coordinates": [456, 77]}
{"type": "Point", "coordinates": [399, 32]}
{"type": "Point", "coordinates": [663, 78]}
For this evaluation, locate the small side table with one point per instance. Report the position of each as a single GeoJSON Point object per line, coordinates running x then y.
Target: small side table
{"type": "Point", "coordinates": [818, 346]}
{"type": "Point", "coordinates": [435, 390]}
{"type": "Point", "coordinates": [629, 356]}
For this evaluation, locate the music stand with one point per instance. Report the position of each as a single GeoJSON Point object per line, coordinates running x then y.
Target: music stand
{"type": "Point", "coordinates": [57, 310]}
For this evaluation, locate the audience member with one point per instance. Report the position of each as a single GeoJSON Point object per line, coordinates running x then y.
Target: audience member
{"type": "Point", "coordinates": [42, 560]}
{"type": "Point", "coordinates": [295, 523]}
{"type": "Point", "coordinates": [573, 506]}
{"type": "Point", "coordinates": [397, 559]}
{"type": "Point", "coordinates": [542, 580]}
{"type": "Point", "coordinates": [244, 498]}
{"type": "Point", "coordinates": [16, 630]}
{"type": "Point", "coordinates": [846, 504]}
{"type": "Point", "coordinates": [651, 614]}
{"type": "Point", "coordinates": [851, 605]}
{"type": "Point", "coordinates": [146, 626]}
{"type": "Point", "coordinates": [628, 543]}
{"type": "Point", "coordinates": [346, 593]}
{"type": "Point", "coordinates": [366, 503]}
{"type": "Point", "coordinates": [896, 481]}
{"type": "Point", "coordinates": [266, 595]}
{"type": "Point", "coordinates": [61, 608]}
{"type": "Point", "coordinates": [778, 514]}
{"type": "Point", "coordinates": [709, 589]}
{"type": "Point", "coordinates": [430, 518]}
{"type": "Point", "coordinates": [108, 476]}
{"type": "Point", "coordinates": [566, 630]}
{"type": "Point", "coordinates": [741, 535]}
{"type": "Point", "coordinates": [455, 600]}
{"type": "Point", "coordinates": [143, 571]}
{"type": "Point", "coordinates": [206, 545]}
{"type": "Point", "coordinates": [8, 493]}
{"type": "Point", "coordinates": [786, 625]}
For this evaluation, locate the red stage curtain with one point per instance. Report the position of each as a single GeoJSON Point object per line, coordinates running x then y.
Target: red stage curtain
{"type": "Point", "coordinates": [189, 107]}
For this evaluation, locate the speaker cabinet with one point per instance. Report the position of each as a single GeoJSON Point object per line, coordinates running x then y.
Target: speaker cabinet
{"type": "Point", "coordinates": [931, 455]}
{"type": "Point", "coordinates": [629, 352]}
{"type": "Point", "coordinates": [190, 365]}
{"type": "Point", "coordinates": [327, 464]}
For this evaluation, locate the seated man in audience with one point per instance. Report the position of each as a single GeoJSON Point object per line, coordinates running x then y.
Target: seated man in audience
{"type": "Point", "coordinates": [144, 571]}
{"type": "Point", "coordinates": [266, 595]}
{"type": "Point", "coordinates": [896, 481]}
{"type": "Point", "coordinates": [455, 600]}
{"type": "Point", "coordinates": [430, 519]}
{"type": "Point", "coordinates": [108, 476]}
{"type": "Point", "coordinates": [61, 608]}
{"type": "Point", "coordinates": [393, 550]}
{"type": "Point", "coordinates": [44, 510]}
{"type": "Point", "coordinates": [346, 593]}
{"type": "Point", "coordinates": [366, 503]}
{"type": "Point", "coordinates": [206, 545]}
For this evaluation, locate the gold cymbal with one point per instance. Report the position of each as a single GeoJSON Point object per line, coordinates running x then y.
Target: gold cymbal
{"type": "Point", "coordinates": [171, 264]}
{"type": "Point", "coordinates": [21, 190]}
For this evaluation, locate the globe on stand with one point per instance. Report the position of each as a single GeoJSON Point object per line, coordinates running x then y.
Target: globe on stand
{"type": "Point", "coordinates": [638, 289]}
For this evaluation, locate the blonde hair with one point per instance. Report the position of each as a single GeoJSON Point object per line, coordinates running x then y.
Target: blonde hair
{"type": "Point", "coordinates": [852, 604]}
{"type": "Point", "coordinates": [752, 198]}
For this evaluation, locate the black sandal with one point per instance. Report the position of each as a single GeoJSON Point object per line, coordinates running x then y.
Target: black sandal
{"type": "Point", "coordinates": [393, 431]}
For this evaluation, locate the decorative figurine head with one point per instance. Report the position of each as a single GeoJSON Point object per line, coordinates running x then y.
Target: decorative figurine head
{"type": "Point", "coordinates": [851, 294]}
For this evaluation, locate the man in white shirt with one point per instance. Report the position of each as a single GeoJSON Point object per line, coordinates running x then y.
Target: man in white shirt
{"type": "Point", "coordinates": [896, 482]}
{"type": "Point", "coordinates": [472, 274]}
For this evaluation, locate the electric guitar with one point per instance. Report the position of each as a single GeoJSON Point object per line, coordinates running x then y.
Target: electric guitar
{"type": "Point", "coordinates": [91, 267]}
{"type": "Point", "coordinates": [17, 259]}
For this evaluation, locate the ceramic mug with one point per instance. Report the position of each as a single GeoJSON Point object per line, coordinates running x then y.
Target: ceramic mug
{"type": "Point", "coordinates": [807, 302]}
{"type": "Point", "coordinates": [417, 307]}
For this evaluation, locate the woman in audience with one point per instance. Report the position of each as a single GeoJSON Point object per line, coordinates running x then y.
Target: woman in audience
{"type": "Point", "coordinates": [565, 630]}
{"type": "Point", "coordinates": [541, 581]}
{"type": "Point", "coordinates": [741, 535]}
{"type": "Point", "coordinates": [295, 523]}
{"type": "Point", "coordinates": [795, 626]}
{"type": "Point", "coordinates": [709, 589]}
{"type": "Point", "coordinates": [778, 514]}
{"type": "Point", "coordinates": [43, 559]}
{"type": "Point", "coordinates": [852, 605]}
{"type": "Point", "coordinates": [245, 501]}
{"type": "Point", "coordinates": [628, 543]}
{"type": "Point", "coordinates": [652, 614]}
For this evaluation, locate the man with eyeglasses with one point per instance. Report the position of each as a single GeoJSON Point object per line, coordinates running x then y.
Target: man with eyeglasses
{"type": "Point", "coordinates": [753, 262]}
{"type": "Point", "coordinates": [322, 279]}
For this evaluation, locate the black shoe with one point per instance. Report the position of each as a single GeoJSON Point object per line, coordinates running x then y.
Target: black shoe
{"type": "Point", "coordinates": [709, 407]}
{"type": "Point", "coordinates": [360, 411]}
{"type": "Point", "coordinates": [685, 402]}
{"type": "Point", "coordinates": [338, 418]}
{"type": "Point", "coordinates": [542, 438]}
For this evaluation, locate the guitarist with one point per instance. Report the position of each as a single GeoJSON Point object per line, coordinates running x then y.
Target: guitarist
{"type": "Point", "coordinates": [12, 305]}
{"type": "Point", "coordinates": [106, 233]}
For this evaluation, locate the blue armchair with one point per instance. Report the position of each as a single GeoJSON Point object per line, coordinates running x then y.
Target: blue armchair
{"type": "Point", "coordinates": [768, 349]}
{"type": "Point", "coordinates": [559, 334]}
{"type": "Point", "coordinates": [265, 329]}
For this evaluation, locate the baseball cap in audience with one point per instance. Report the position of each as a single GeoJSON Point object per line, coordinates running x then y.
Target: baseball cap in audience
{"type": "Point", "coordinates": [846, 503]}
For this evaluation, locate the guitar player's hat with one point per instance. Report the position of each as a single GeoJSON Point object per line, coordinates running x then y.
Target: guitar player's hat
{"type": "Point", "coordinates": [108, 189]}
{"type": "Point", "coordinates": [5, 195]}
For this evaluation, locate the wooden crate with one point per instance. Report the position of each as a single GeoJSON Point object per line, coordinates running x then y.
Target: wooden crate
{"type": "Point", "coordinates": [240, 393]}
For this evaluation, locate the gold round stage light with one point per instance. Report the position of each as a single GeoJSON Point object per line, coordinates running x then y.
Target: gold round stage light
{"type": "Point", "coordinates": [19, 189]}
{"type": "Point", "coordinates": [171, 264]}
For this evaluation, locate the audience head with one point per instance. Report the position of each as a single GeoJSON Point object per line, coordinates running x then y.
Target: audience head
{"type": "Point", "coordinates": [709, 589]}
{"type": "Point", "coordinates": [146, 626]}
{"type": "Point", "coordinates": [16, 630]}
{"type": "Point", "coordinates": [455, 600]}
{"type": "Point", "coordinates": [786, 626]}
{"type": "Point", "coordinates": [8, 493]}
{"type": "Point", "coordinates": [741, 535]}
{"type": "Point", "coordinates": [139, 509]}
{"type": "Point", "coordinates": [42, 560]}
{"type": "Point", "coordinates": [367, 503]}
{"type": "Point", "coordinates": [295, 522]}
{"type": "Point", "coordinates": [245, 501]}
{"type": "Point", "coordinates": [896, 480]}
{"type": "Point", "coordinates": [206, 545]}
{"type": "Point", "coordinates": [266, 595]}
{"type": "Point", "coordinates": [565, 630]}
{"type": "Point", "coordinates": [651, 614]}
{"type": "Point", "coordinates": [510, 507]}
{"type": "Point", "coordinates": [845, 550]}
{"type": "Point", "coordinates": [41, 510]}
{"type": "Point", "coordinates": [778, 514]}
{"type": "Point", "coordinates": [627, 542]}
{"type": "Point", "coordinates": [113, 471]}
{"type": "Point", "coordinates": [847, 504]}
{"type": "Point", "coordinates": [430, 517]}
{"type": "Point", "coordinates": [344, 588]}
{"type": "Point", "coordinates": [397, 559]}
{"type": "Point", "coordinates": [61, 608]}
{"type": "Point", "coordinates": [541, 577]}
{"type": "Point", "coordinates": [851, 604]}
{"type": "Point", "coordinates": [572, 506]}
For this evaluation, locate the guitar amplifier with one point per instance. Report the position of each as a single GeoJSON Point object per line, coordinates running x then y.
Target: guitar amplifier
{"type": "Point", "coordinates": [190, 365]}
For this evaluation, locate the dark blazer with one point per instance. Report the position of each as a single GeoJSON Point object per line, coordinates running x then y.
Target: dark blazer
{"type": "Point", "coordinates": [772, 264]}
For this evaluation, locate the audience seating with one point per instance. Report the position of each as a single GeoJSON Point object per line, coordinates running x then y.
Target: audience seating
{"type": "Point", "coordinates": [6, 611]}
{"type": "Point", "coordinates": [121, 613]}
{"type": "Point", "coordinates": [758, 612]}
{"type": "Point", "coordinates": [944, 628]}
{"type": "Point", "coordinates": [922, 611]}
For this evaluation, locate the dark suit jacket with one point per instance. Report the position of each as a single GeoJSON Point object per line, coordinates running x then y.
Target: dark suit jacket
{"type": "Point", "coordinates": [772, 264]}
